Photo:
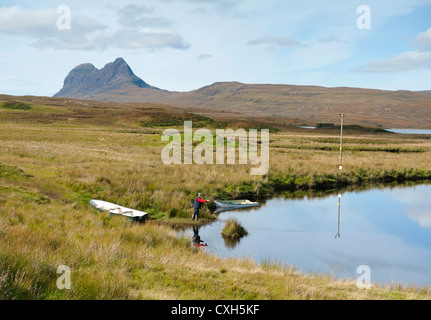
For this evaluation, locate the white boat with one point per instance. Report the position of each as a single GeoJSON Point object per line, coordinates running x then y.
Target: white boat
{"type": "Point", "coordinates": [235, 204]}
{"type": "Point", "coordinates": [113, 208]}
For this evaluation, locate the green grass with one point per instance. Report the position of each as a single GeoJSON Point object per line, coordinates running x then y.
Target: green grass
{"type": "Point", "coordinates": [162, 119]}
{"type": "Point", "coordinates": [233, 230]}
{"type": "Point", "coordinates": [12, 172]}
{"type": "Point", "coordinates": [16, 105]}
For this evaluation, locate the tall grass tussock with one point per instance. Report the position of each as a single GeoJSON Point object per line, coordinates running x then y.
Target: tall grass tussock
{"type": "Point", "coordinates": [233, 229]}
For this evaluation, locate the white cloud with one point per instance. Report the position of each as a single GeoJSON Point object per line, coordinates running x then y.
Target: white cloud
{"type": "Point", "coordinates": [149, 40]}
{"type": "Point", "coordinates": [42, 23]}
{"type": "Point", "coordinates": [122, 39]}
{"type": "Point", "coordinates": [423, 40]}
{"type": "Point", "coordinates": [275, 41]}
{"type": "Point", "coordinates": [420, 215]}
{"type": "Point", "coordinates": [405, 61]}
{"type": "Point", "coordinates": [221, 7]}
{"type": "Point", "coordinates": [416, 206]}
{"type": "Point", "coordinates": [409, 60]}
{"type": "Point", "coordinates": [87, 33]}
{"type": "Point", "coordinates": [203, 57]}
{"type": "Point", "coordinates": [139, 16]}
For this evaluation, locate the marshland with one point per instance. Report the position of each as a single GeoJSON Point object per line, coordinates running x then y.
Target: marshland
{"type": "Point", "coordinates": [56, 156]}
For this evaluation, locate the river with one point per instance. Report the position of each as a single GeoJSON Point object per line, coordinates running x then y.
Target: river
{"type": "Point", "coordinates": [387, 230]}
{"type": "Point", "coordinates": [410, 131]}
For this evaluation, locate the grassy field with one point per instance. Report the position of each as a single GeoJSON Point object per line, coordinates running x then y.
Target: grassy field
{"type": "Point", "coordinates": [55, 158]}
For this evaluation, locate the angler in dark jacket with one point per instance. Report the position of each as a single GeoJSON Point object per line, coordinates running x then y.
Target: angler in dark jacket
{"type": "Point", "coordinates": [197, 205]}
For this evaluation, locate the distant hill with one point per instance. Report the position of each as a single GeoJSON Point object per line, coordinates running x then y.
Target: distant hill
{"type": "Point", "coordinates": [85, 81]}
{"type": "Point", "coordinates": [288, 103]}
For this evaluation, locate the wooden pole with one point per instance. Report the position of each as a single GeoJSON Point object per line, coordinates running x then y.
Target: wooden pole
{"type": "Point", "coordinates": [341, 142]}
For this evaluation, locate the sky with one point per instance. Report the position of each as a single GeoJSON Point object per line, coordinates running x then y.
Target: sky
{"type": "Point", "coordinates": [183, 45]}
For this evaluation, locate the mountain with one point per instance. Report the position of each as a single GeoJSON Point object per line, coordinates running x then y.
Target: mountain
{"type": "Point", "coordinates": [86, 82]}
{"type": "Point", "coordinates": [287, 103]}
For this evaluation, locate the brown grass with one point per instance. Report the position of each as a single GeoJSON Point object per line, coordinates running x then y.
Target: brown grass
{"type": "Point", "coordinates": [49, 171]}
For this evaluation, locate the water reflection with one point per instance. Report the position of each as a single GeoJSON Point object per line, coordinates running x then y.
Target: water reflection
{"type": "Point", "coordinates": [387, 229]}
{"type": "Point", "coordinates": [231, 242]}
{"type": "Point", "coordinates": [338, 224]}
{"type": "Point", "coordinates": [220, 210]}
{"type": "Point", "coordinates": [196, 239]}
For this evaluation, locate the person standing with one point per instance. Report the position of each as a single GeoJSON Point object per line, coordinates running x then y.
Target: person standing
{"type": "Point", "coordinates": [197, 205]}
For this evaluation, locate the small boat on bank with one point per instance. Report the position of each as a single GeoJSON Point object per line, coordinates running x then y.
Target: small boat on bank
{"type": "Point", "coordinates": [113, 208]}
{"type": "Point", "coordinates": [235, 204]}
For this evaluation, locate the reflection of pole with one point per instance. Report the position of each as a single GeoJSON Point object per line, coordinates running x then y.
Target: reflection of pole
{"type": "Point", "coordinates": [341, 142]}
{"type": "Point", "coordinates": [339, 206]}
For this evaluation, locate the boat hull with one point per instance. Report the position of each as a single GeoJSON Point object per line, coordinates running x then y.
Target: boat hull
{"type": "Point", "coordinates": [226, 205]}
{"type": "Point", "coordinates": [115, 209]}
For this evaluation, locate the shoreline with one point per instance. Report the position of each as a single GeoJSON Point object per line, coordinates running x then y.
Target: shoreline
{"type": "Point", "coordinates": [298, 186]}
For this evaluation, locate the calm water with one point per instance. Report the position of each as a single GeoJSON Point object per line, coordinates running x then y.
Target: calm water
{"type": "Point", "coordinates": [388, 230]}
{"type": "Point", "coordinates": [403, 131]}
{"type": "Point", "coordinates": [410, 131]}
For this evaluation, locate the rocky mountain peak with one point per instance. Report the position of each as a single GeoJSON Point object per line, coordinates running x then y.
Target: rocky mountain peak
{"type": "Point", "coordinates": [85, 80]}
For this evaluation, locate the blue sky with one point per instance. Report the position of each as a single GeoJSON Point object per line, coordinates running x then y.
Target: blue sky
{"type": "Point", "coordinates": [182, 45]}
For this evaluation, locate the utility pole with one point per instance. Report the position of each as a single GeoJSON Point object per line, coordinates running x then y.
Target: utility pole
{"type": "Point", "coordinates": [341, 142]}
